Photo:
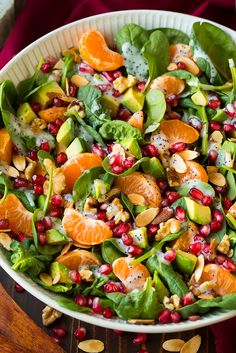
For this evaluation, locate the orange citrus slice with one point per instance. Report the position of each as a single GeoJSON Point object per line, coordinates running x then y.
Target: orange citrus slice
{"type": "Point", "coordinates": [94, 50]}
{"type": "Point", "coordinates": [184, 241]}
{"type": "Point", "coordinates": [136, 120]}
{"type": "Point", "coordinates": [75, 166]}
{"type": "Point", "coordinates": [76, 258]}
{"type": "Point", "coordinates": [83, 229]}
{"type": "Point", "coordinates": [133, 277]}
{"type": "Point", "coordinates": [20, 219]}
{"type": "Point", "coordinates": [5, 146]}
{"type": "Point", "coordinates": [177, 131]}
{"type": "Point", "coordinates": [232, 210]}
{"type": "Point", "coordinates": [176, 50]}
{"type": "Point", "coordinates": [195, 171]}
{"type": "Point", "coordinates": [168, 84]}
{"type": "Point", "coordinates": [142, 184]}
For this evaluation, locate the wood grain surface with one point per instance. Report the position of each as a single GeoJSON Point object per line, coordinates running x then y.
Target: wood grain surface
{"type": "Point", "coordinates": [113, 343]}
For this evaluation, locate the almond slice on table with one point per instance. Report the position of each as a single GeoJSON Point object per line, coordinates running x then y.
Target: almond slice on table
{"type": "Point", "coordinates": [199, 268]}
{"type": "Point", "coordinates": [188, 155]}
{"type": "Point", "coordinates": [173, 345]}
{"type": "Point", "coordinates": [146, 217]}
{"type": "Point", "coordinates": [137, 199]}
{"type": "Point", "coordinates": [19, 162]}
{"type": "Point", "coordinates": [192, 346]}
{"type": "Point", "coordinates": [217, 179]}
{"type": "Point", "coordinates": [91, 346]}
{"type": "Point", "coordinates": [177, 163]}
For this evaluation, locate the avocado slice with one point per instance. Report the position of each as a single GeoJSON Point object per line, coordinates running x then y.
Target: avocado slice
{"type": "Point", "coordinates": [140, 237]}
{"type": "Point", "coordinates": [200, 98]}
{"type": "Point", "coordinates": [138, 209]}
{"type": "Point", "coordinates": [132, 146]}
{"type": "Point", "coordinates": [133, 100]}
{"type": "Point", "coordinates": [45, 94]}
{"type": "Point", "coordinates": [161, 289]}
{"type": "Point", "coordinates": [220, 116]}
{"type": "Point", "coordinates": [54, 237]}
{"type": "Point", "coordinates": [154, 167]}
{"type": "Point", "coordinates": [100, 188]}
{"type": "Point", "coordinates": [198, 213]}
{"type": "Point", "coordinates": [185, 262]}
{"type": "Point", "coordinates": [56, 268]}
{"type": "Point", "coordinates": [76, 147]}
{"type": "Point", "coordinates": [110, 104]}
{"type": "Point", "coordinates": [66, 132]}
{"type": "Point", "coordinates": [26, 113]}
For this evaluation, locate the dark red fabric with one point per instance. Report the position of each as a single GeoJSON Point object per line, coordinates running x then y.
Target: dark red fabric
{"type": "Point", "coordinates": [41, 16]}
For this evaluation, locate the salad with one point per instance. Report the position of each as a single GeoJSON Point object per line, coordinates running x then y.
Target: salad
{"type": "Point", "coordinates": [117, 174]}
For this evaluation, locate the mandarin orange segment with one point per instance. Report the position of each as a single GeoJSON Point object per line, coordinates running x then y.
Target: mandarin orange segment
{"type": "Point", "coordinates": [83, 229]}
{"type": "Point", "coordinates": [184, 241]}
{"type": "Point", "coordinates": [51, 114]}
{"type": "Point", "coordinates": [5, 146]}
{"type": "Point", "coordinates": [133, 277]}
{"type": "Point", "coordinates": [20, 219]}
{"type": "Point", "coordinates": [168, 84]}
{"type": "Point", "coordinates": [232, 210]}
{"type": "Point", "coordinates": [76, 258]}
{"type": "Point", "coordinates": [195, 171]}
{"type": "Point", "coordinates": [136, 120]}
{"type": "Point", "coordinates": [177, 131]}
{"type": "Point", "coordinates": [176, 50]}
{"type": "Point", "coordinates": [224, 280]}
{"type": "Point", "coordinates": [142, 184]}
{"type": "Point", "coordinates": [94, 50]}
{"type": "Point", "coordinates": [75, 166]}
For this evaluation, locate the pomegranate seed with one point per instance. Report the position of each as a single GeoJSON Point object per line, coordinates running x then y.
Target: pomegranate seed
{"type": "Point", "coordinates": [4, 223]}
{"type": "Point", "coordinates": [116, 93]}
{"type": "Point", "coordinates": [229, 109]}
{"type": "Point", "coordinates": [38, 190]}
{"type": "Point", "coordinates": [150, 151]}
{"type": "Point", "coordinates": [110, 287]}
{"type": "Point", "coordinates": [140, 338]}
{"type": "Point", "coordinates": [81, 300]}
{"type": "Point", "coordinates": [206, 248]}
{"type": "Point", "coordinates": [56, 338]}
{"type": "Point", "coordinates": [117, 169]}
{"type": "Point", "coordinates": [39, 226]}
{"type": "Point", "coordinates": [109, 75]}
{"type": "Point", "coordinates": [205, 230]}
{"type": "Point", "coordinates": [198, 238]}
{"type": "Point", "coordinates": [59, 331]}
{"type": "Point", "coordinates": [97, 306]}
{"type": "Point", "coordinates": [56, 212]}
{"type": "Point", "coordinates": [58, 122]}
{"type": "Point", "coordinates": [47, 222]}
{"type": "Point", "coordinates": [165, 202]}
{"type": "Point", "coordinates": [152, 229]}
{"type": "Point", "coordinates": [53, 128]}
{"type": "Point", "coordinates": [117, 73]}
{"type": "Point", "coordinates": [196, 194]}
{"type": "Point", "coordinates": [15, 150]}
{"type": "Point", "coordinates": [172, 196]}
{"type": "Point", "coordinates": [120, 229]}
{"type": "Point", "coordinates": [90, 301]}
{"type": "Point", "coordinates": [97, 149]}
{"type": "Point", "coordinates": [207, 200]}
{"type": "Point", "coordinates": [181, 65]}
{"type": "Point", "coordinates": [180, 214]}
{"type": "Point", "coordinates": [215, 126]}
{"type": "Point", "coordinates": [45, 146]}
{"type": "Point", "coordinates": [188, 299]}
{"type": "Point", "coordinates": [46, 68]}
{"type": "Point", "coordinates": [104, 87]}
{"type": "Point", "coordinates": [170, 255]}
{"type": "Point", "coordinates": [118, 332]}
{"type": "Point", "coordinates": [101, 215]}
{"type": "Point", "coordinates": [20, 183]}
{"type": "Point", "coordinates": [218, 216]}
{"type": "Point", "coordinates": [128, 162]}
{"type": "Point", "coordinates": [111, 224]}
{"type": "Point", "coordinates": [172, 100]}
{"type": "Point", "coordinates": [105, 269]}
{"type": "Point", "coordinates": [108, 313]}
{"type": "Point", "coordinates": [127, 239]}
{"type": "Point", "coordinates": [214, 104]}
{"type": "Point", "coordinates": [61, 158]}
{"type": "Point", "coordinates": [134, 250]}
{"type": "Point", "coordinates": [220, 189]}
{"type": "Point", "coordinates": [165, 317]}
{"type": "Point", "coordinates": [84, 67]}
{"type": "Point", "coordinates": [38, 179]}
{"type": "Point", "coordinates": [56, 201]}
{"type": "Point", "coordinates": [33, 154]}
{"type": "Point", "coordinates": [227, 203]}
{"type": "Point", "coordinates": [228, 127]}
{"type": "Point", "coordinates": [212, 156]}
{"type": "Point", "coordinates": [220, 259]}
{"type": "Point", "coordinates": [121, 287]}
{"type": "Point", "coordinates": [175, 317]}
{"type": "Point", "coordinates": [123, 114]}
{"type": "Point", "coordinates": [57, 102]}
{"type": "Point", "coordinates": [42, 238]}
{"type": "Point", "coordinates": [195, 248]}
{"type": "Point", "coordinates": [75, 276]}
{"type": "Point", "coordinates": [215, 225]}
{"type": "Point", "coordinates": [115, 160]}
{"type": "Point", "coordinates": [194, 317]}
{"type": "Point", "coordinates": [21, 236]}
{"type": "Point", "coordinates": [229, 265]}
{"type": "Point", "coordinates": [80, 333]}
{"type": "Point", "coordinates": [36, 107]}
{"type": "Point", "coordinates": [178, 147]}
{"type": "Point", "coordinates": [18, 288]}
{"type": "Point", "coordinates": [162, 184]}
{"type": "Point", "coordinates": [141, 86]}
{"type": "Point", "coordinates": [196, 123]}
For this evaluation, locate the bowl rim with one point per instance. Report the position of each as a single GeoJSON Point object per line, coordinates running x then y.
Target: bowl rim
{"type": "Point", "coordinates": [41, 293]}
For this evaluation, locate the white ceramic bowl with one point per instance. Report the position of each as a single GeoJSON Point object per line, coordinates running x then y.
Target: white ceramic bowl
{"type": "Point", "coordinates": [23, 65]}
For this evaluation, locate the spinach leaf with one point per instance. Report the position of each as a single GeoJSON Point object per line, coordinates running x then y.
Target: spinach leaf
{"type": "Point", "coordinates": [71, 305]}
{"type": "Point", "coordinates": [119, 130]}
{"type": "Point", "coordinates": [231, 193]}
{"type": "Point", "coordinates": [109, 252]}
{"type": "Point", "coordinates": [156, 53]}
{"type": "Point", "coordinates": [118, 244]}
{"type": "Point", "coordinates": [108, 168]}
{"type": "Point", "coordinates": [155, 105]}
{"type": "Point", "coordinates": [96, 287]}
{"type": "Point", "coordinates": [175, 36]}
{"type": "Point", "coordinates": [56, 288]}
{"type": "Point", "coordinates": [137, 304]}
{"type": "Point", "coordinates": [233, 75]}
{"type": "Point", "coordinates": [67, 69]}
{"type": "Point", "coordinates": [26, 197]}
{"type": "Point", "coordinates": [169, 237]}
{"type": "Point", "coordinates": [206, 188]}
{"type": "Point", "coordinates": [202, 306]}
{"type": "Point", "coordinates": [95, 112]}
{"type": "Point", "coordinates": [127, 204]}
{"type": "Point", "coordinates": [133, 34]}
{"type": "Point", "coordinates": [7, 186]}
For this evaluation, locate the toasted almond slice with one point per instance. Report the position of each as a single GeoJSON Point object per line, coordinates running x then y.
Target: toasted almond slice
{"type": "Point", "coordinates": [173, 345]}
{"type": "Point", "coordinates": [66, 248]}
{"type": "Point", "coordinates": [12, 172]}
{"type": "Point", "coordinates": [46, 278]}
{"type": "Point", "coordinates": [188, 155]}
{"type": "Point", "coordinates": [141, 322]}
{"type": "Point", "coordinates": [192, 346]}
{"type": "Point", "coordinates": [177, 163]}
{"type": "Point", "coordinates": [206, 296]}
{"type": "Point", "coordinates": [137, 199]}
{"type": "Point", "coordinates": [56, 278]}
{"type": "Point", "coordinates": [190, 65]}
{"type": "Point", "coordinates": [146, 217]}
{"type": "Point", "coordinates": [217, 137]}
{"type": "Point", "coordinates": [79, 80]}
{"type": "Point", "coordinates": [5, 241]}
{"type": "Point", "coordinates": [91, 346]}
{"type": "Point", "coordinates": [217, 179]}
{"type": "Point", "coordinates": [172, 67]}
{"type": "Point", "coordinates": [199, 268]}
{"type": "Point", "coordinates": [19, 162]}
{"type": "Point", "coordinates": [211, 169]}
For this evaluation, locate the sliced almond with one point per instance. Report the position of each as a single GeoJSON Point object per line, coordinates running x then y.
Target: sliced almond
{"type": "Point", "coordinates": [173, 345]}
{"type": "Point", "coordinates": [188, 155]}
{"type": "Point", "coordinates": [66, 248]}
{"type": "Point", "coordinates": [199, 268]}
{"type": "Point", "coordinates": [19, 162]}
{"type": "Point", "coordinates": [190, 65]}
{"type": "Point", "coordinates": [57, 278]}
{"type": "Point", "coordinates": [91, 346]}
{"type": "Point", "coordinates": [217, 179]}
{"type": "Point", "coordinates": [137, 199]}
{"type": "Point", "coordinates": [172, 67]}
{"type": "Point", "coordinates": [206, 296]}
{"type": "Point", "coordinates": [141, 322]}
{"type": "Point", "coordinates": [12, 172]}
{"type": "Point", "coordinates": [192, 346]}
{"type": "Point", "coordinates": [5, 241]}
{"type": "Point", "coordinates": [146, 217]}
{"type": "Point", "coordinates": [177, 163]}
{"type": "Point", "coordinates": [211, 169]}
{"type": "Point", "coordinates": [79, 80]}
{"type": "Point", "coordinates": [217, 137]}
{"type": "Point", "coordinates": [46, 278]}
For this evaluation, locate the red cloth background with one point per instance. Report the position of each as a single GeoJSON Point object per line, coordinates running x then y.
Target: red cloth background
{"type": "Point", "coordinates": [41, 16]}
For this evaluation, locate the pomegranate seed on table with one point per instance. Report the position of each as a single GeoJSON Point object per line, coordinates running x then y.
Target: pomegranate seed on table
{"type": "Point", "coordinates": [230, 110]}
{"type": "Point", "coordinates": [149, 151]}
{"type": "Point", "coordinates": [56, 338]}
{"type": "Point", "coordinates": [165, 317]}
{"type": "Point", "coordinates": [212, 156]}
{"type": "Point", "coordinates": [97, 149]}
{"type": "Point", "coordinates": [175, 317]}
{"type": "Point", "coordinates": [180, 214]}
{"type": "Point", "coordinates": [47, 222]}
{"type": "Point", "coordinates": [4, 223]}
{"type": "Point", "coordinates": [36, 107]}
{"type": "Point", "coordinates": [21, 236]}
{"type": "Point", "coordinates": [38, 190]}
{"type": "Point", "coordinates": [227, 203]}
{"type": "Point", "coordinates": [59, 331]}
{"type": "Point", "coordinates": [123, 114]}
{"type": "Point", "coordinates": [42, 238]}
{"type": "Point", "coordinates": [141, 86]}
{"type": "Point", "coordinates": [228, 127]}
{"type": "Point", "coordinates": [196, 123]}
{"type": "Point", "coordinates": [53, 128]}
{"type": "Point", "coordinates": [118, 332]}
{"type": "Point", "coordinates": [97, 306]}
{"type": "Point", "coordinates": [178, 147]}
{"type": "Point", "coordinates": [127, 239]}
{"type": "Point", "coordinates": [18, 288]}
{"type": "Point", "coordinates": [173, 100]}
{"type": "Point", "coordinates": [81, 300]}
{"type": "Point", "coordinates": [195, 248]}
{"type": "Point", "coordinates": [20, 183]}
{"type": "Point", "coordinates": [56, 212]}
{"type": "Point", "coordinates": [134, 250]}
{"type": "Point", "coordinates": [214, 104]}
{"type": "Point", "coordinates": [38, 179]}
{"type": "Point", "coordinates": [61, 158]}
{"type": "Point", "coordinates": [170, 255]}
{"type": "Point", "coordinates": [80, 333]}
{"type": "Point", "coordinates": [40, 227]}
{"type": "Point", "coordinates": [207, 200]}
{"type": "Point", "coordinates": [46, 68]}
{"type": "Point", "coordinates": [75, 276]}
{"type": "Point", "coordinates": [215, 126]}
{"type": "Point", "coordinates": [105, 269]}
{"type": "Point", "coordinates": [218, 216]}
{"type": "Point", "coordinates": [196, 194]}
{"type": "Point", "coordinates": [101, 215]}
{"type": "Point", "coordinates": [172, 196]}
{"type": "Point", "coordinates": [108, 313]}
{"type": "Point", "coordinates": [188, 299]}
{"type": "Point", "coordinates": [215, 225]}
{"type": "Point", "coordinates": [205, 230]}
{"type": "Point", "coordinates": [128, 162]}
{"type": "Point", "coordinates": [45, 146]}
{"type": "Point", "coordinates": [56, 200]}
{"type": "Point", "coordinates": [140, 338]}
{"type": "Point", "coordinates": [181, 65]}
{"type": "Point", "coordinates": [33, 154]}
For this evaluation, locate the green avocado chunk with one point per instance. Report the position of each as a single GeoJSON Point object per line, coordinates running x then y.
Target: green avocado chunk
{"type": "Point", "coordinates": [100, 188]}
{"type": "Point", "coordinates": [66, 132]}
{"type": "Point", "coordinates": [45, 94]}
{"type": "Point", "coordinates": [57, 268]}
{"type": "Point", "coordinates": [161, 289]}
{"type": "Point", "coordinates": [132, 146]}
{"type": "Point", "coordinates": [76, 147]}
{"type": "Point", "coordinates": [54, 237]}
{"type": "Point", "coordinates": [185, 262]}
{"type": "Point", "coordinates": [26, 113]}
{"type": "Point", "coordinates": [200, 98]}
{"type": "Point", "coordinates": [110, 104]}
{"type": "Point", "coordinates": [133, 100]}
{"type": "Point", "coordinates": [154, 167]}
{"type": "Point", "coordinates": [198, 213]}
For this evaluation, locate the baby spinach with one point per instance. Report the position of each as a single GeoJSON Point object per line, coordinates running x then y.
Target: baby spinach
{"type": "Point", "coordinates": [7, 186]}
{"type": "Point", "coordinates": [206, 188]}
{"type": "Point", "coordinates": [95, 288]}
{"type": "Point", "coordinates": [169, 237]}
{"type": "Point", "coordinates": [119, 130]}
{"type": "Point", "coordinates": [175, 36]}
{"type": "Point", "coordinates": [231, 193]}
{"type": "Point", "coordinates": [109, 252]}
{"type": "Point", "coordinates": [71, 305]}
{"type": "Point", "coordinates": [118, 244]}
{"type": "Point", "coordinates": [133, 34]}
{"type": "Point", "coordinates": [155, 105]}
{"type": "Point", "coordinates": [108, 168]}
{"type": "Point", "coordinates": [27, 198]}
{"type": "Point", "coordinates": [57, 288]}
{"type": "Point", "coordinates": [127, 204]}
{"type": "Point", "coordinates": [233, 75]}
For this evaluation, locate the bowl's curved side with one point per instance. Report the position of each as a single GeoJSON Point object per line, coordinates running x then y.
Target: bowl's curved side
{"type": "Point", "coordinates": [23, 65]}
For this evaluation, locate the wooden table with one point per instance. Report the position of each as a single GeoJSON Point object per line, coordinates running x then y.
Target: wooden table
{"type": "Point", "coordinates": [113, 343]}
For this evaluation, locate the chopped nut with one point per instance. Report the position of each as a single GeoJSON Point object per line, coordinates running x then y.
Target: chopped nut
{"type": "Point", "coordinates": [120, 84]}
{"type": "Point", "coordinates": [114, 192]}
{"type": "Point", "coordinates": [217, 137]}
{"type": "Point", "coordinates": [137, 199]}
{"type": "Point", "coordinates": [175, 226]}
{"type": "Point", "coordinates": [91, 346]}
{"type": "Point", "coordinates": [173, 345]}
{"type": "Point", "coordinates": [217, 179]}
{"type": "Point", "coordinates": [175, 300]}
{"type": "Point", "coordinates": [171, 226]}
{"type": "Point", "coordinates": [86, 275]}
{"type": "Point", "coordinates": [46, 278]}
{"type": "Point", "coordinates": [230, 253]}
{"type": "Point", "coordinates": [72, 51]}
{"type": "Point", "coordinates": [192, 346]}
{"type": "Point", "coordinates": [206, 296]}
{"type": "Point", "coordinates": [5, 241]}
{"type": "Point", "coordinates": [56, 279]}
{"type": "Point", "coordinates": [177, 163]}
{"type": "Point", "coordinates": [59, 65]}
{"type": "Point", "coordinates": [115, 210]}
{"type": "Point", "coordinates": [224, 245]}
{"type": "Point", "coordinates": [49, 315]}
{"type": "Point", "coordinates": [146, 217]}
{"type": "Point", "coordinates": [118, 149]}
{"type": "Point", "coordinates": [190, 65]}
{"type": "Point", "coordinates": [66, 248]}
{"type": "Point", "coordinates": [89, 205]}
{"type": "Point", "coordinates": [19, 162]}
{"type": "Point", "coordinates": [199, 268]}
{"type": "Point", "coordinates": [132, 80]}
{"type": "Point", "coordinates": [38, 125]}
{"type": "Point", "coordinates": [29, 170]}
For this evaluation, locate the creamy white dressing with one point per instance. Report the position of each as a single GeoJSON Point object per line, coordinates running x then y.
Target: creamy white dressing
{"type": "Point", "coordinates": [134, 61]}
